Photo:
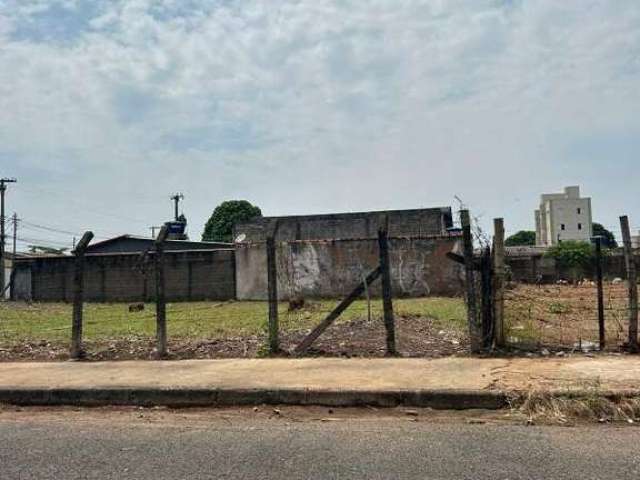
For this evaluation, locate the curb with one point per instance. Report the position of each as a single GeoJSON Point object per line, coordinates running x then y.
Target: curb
{"type": "Point", "coordinates": [436, 399]}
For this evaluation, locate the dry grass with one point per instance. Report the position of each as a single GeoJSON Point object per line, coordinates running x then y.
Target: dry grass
{"type": "Point", "coordinates": [592, 404]}
{"type": "Point", "coordinates": [565, 316]}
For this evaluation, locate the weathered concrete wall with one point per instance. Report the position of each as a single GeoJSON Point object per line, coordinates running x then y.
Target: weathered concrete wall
{"type": "Point", "coordinates": [189, 275]}
{"type": "Point", "coordinates": [529, 268]}
{"type": "Point", "coordinates": [332, 268]}
{"type": "Point", "coordinates": [402, 223]}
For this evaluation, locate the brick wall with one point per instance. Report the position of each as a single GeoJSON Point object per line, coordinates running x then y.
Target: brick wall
{"type": "Point", "coordinates": [189, 275]}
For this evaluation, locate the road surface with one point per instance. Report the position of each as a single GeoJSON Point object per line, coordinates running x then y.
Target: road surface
{"type": "Point", "coordinates": [310, 444]}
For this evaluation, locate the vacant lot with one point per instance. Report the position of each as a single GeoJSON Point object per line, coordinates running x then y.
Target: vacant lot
{"type": "Point", "coordinates": [565, 316]}
{"type": "Point", "coordinates": [426, 327]}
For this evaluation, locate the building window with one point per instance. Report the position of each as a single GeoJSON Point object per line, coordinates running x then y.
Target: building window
{"type": "Point", "coordinates": [562, 227]}
{"type": "Point", "coordinates": [579, 226]}
{"type": "Point", "coordinates": [579, 211]}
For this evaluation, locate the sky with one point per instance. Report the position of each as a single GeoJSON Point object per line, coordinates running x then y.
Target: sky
{"type": "Point", "coordinates": [107, 107]}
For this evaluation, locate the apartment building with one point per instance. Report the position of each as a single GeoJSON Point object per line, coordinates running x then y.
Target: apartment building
{"type": "Point", "coordinates": [563, 216]}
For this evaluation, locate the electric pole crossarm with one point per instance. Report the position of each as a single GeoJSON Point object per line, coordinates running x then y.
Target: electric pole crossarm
{"type": "Point", "coordinates": [176, 199]}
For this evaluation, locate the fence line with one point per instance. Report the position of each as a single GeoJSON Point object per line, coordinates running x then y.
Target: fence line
{"type": "Point", "coordinates": [560, 316]}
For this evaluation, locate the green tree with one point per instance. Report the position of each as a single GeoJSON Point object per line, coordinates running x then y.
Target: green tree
{"type": "Point", "coordinates": [219, 227]}
{"type": "Point", "coordinates": [608, 238]}
{"type": "Point", "coordinates": [572, 255]}
{"type": "Point", "coordinates": [522, 238]}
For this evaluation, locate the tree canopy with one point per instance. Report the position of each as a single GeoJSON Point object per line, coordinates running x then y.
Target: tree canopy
{"type": "Point", "coordinates": [572, 255]}
{"type": "Point", "coordinates": [608, 238]}
{"type": "Point", "coordinates": [521, 238]}
{"type": "Point", "coordinates": [219, 227]}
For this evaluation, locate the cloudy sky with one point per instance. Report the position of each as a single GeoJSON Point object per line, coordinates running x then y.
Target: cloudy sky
{"type": "Point", "coordinates": [309, 106]}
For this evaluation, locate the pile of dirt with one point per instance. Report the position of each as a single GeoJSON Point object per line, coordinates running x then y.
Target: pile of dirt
{"type": "Point", "coordinates": [416, 337]}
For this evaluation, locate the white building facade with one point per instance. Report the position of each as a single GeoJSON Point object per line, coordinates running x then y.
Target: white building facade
{"type": "Point", "coordinates": [563, 216]}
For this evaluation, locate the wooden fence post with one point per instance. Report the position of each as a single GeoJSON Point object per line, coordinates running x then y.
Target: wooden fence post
{"type": "Point", "coordinates": [599, 283]}
{"type": "Point", "coordinates": [475, 332]}
{"type": "Point", "coordinates": [632, 280]}
{"type": "Point", "coordinates": [387, 293]}
{"type": "Point", "coordinates": [161, 307]}
{"type": "Point", "coordinates": [76, 350]}
{"type": "Point", "coordinates": [272, 287]}
{"type": "Point", "coordinates": [486, 282]}
{"type": "Point", "coordinates": [498, 281]}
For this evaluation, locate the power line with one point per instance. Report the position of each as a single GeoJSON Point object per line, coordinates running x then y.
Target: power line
{"type": "Point", "coordinates": [42, 241]}
{"type": "Point", "coordinates": [49, 229]}
{"type": "Point", "coordinates": [56, 229]}
{"type": "Point", "coordinates": [82, 206]}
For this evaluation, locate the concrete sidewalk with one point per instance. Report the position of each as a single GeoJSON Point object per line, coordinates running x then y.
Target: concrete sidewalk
{"type": "Point", "coordinates": [442, 383]}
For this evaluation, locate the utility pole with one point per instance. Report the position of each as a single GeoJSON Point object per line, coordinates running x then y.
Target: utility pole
{"type": "Point", "coordinates": [176, 199]}
{"type": "Point", "coordinates": [3, 189]}
{"type": "Point", "coordinates": [14, 220]}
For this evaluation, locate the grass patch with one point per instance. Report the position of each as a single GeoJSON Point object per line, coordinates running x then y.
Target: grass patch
{"type": "Point", "coordinates": [51, 322]}
{"type": "Point", "coordinates": [559, 308]}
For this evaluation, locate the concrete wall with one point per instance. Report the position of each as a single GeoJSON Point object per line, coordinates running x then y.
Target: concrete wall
{"type": "Point", "coordinates": [402, 223]}
{"type": "Point", "coordinates": [190, 275]}
{"type": "Point", "coordinates": [527, 268]}
{"type": "Point", "coordinates": [129, 244]}
{"type": "Point", "coordinates": [332, 268]}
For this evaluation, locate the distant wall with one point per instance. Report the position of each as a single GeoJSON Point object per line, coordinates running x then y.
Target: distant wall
{"type": "Point", "coordinates": [402, 223]}
{"type": "Point", "coordinates": [332, 268]}
{"type": "Point", "coordinates": [529, 268]}
{"type": "Point", "coordinates": [189, 275]}
{"type": "Point", "coordinates": [127, 244]}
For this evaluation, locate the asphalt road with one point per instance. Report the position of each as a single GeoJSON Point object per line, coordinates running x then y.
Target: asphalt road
{"type": "Point", "coordinates": [145, 445]}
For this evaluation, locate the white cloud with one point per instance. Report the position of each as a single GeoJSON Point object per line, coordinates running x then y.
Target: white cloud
{"type": "Point", "coordinates": [315, 105]}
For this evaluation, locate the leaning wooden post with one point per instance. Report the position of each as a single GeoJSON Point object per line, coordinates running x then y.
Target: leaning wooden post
{"type": "Point", "coordinates": [76, 350]}
{"type": "Point", "coordinates": [387, 294]}
{"type": "Point", "coordinates": [475, 332]}
{"type": "Point", "coordinates": [272, 287]}
{"type": "Point", "coordinates": [498, 281]}
{"type": "Point", "coordinates": [161, 307]}
{"type": "Point", "coordinates": [632, 280]}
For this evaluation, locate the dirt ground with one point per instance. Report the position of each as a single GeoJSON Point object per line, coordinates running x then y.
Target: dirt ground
{"type": "Point", "coordinates": [565, 316]}
{"type": "Point", "coordinates": [416, 336]}
{"type": "Point", "coordinates": [248, 415]}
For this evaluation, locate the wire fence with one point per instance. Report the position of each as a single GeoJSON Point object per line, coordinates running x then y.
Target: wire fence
{"type": "Point", "coordinates": [564, 316]}
{"type": "Point", "coordinates": [207, 327]}
{"type": "Point", "coordinates": [227, 329]}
